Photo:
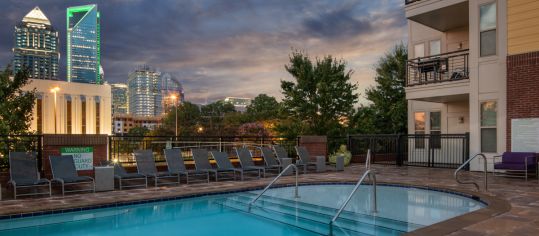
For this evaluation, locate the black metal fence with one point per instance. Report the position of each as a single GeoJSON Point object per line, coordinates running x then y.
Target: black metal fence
{"type": "Point", "coordinates": [20, 143]}
{"type": "Point", "coordinates": [449, 66]}
{"type": "Point", "coordinates": [429, 150]}
{"type": "Point", "coordinates": [121, 147]}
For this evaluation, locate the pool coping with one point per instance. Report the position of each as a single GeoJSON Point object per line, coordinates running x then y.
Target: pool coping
{"type": "Point", "coordinates": [494, 205]}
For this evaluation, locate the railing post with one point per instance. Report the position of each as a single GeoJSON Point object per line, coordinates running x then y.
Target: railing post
{"type": "Point", "coordinates": [399, 151]}
{"type": "Point", "coordinates": [40, 153]}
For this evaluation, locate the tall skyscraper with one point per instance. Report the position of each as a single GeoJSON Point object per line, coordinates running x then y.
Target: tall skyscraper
{"type": "Point", "coordinates": [83, 45]}
{"type": "Point", "coordinates": [119, 98]}
{"type": "Point", "coordinates": [36, 46]}
{"type": "Point", "coordinates": [143, 92]}
{"type": "Point", "coordinates": [170, 85]}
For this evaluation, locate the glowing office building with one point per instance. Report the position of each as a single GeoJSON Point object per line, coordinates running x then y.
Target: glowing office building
{"type": "Point", "coordinates": [83, 45]}
{"type": "Point", "coordinates": [36, 46]}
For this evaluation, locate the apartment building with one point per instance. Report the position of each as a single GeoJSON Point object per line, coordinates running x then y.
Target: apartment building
{"type": "Point", "coordinates": [474, 68]}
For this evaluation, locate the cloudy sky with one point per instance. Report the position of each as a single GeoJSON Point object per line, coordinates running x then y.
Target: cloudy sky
{"type": "Point", "coordinates": [222, 48]}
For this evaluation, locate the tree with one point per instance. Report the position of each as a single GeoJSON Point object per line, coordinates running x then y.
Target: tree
{"type": "Point", "coordinates": [263, 107]}
{"type": "Point", "coordinates": [321, 96]}
{"type": "Point", "coordinates": [138, 131]}
{"type": "Point", "coordinates": [188, 120]}
{"type": "Point", "coordinates": [15, 104]}
{"type": "Point", "coordinates": [388, 111]}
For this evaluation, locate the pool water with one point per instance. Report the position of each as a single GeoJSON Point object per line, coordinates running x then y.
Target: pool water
{"type": "Point", "coordinates": [400, 210]}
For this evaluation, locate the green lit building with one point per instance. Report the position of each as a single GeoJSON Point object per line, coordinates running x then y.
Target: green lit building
{"type": "Point", "coordinates": [83, 45]}
{"type": "Point", "coordinates": [36, 46]}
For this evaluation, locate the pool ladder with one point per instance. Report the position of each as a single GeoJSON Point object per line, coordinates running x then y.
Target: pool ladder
{"type": "Point", "coordinates": [296, 194]}
{"type": "Point", "coordinates": [470, 182]}
{"type": "Point", "coordinates": [371, 174]}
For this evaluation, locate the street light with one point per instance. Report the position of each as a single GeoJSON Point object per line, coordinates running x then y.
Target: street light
{"type": "Point", "coordinates": [175, 99]}
{"type": "Point", "coordinates": [55, 90]}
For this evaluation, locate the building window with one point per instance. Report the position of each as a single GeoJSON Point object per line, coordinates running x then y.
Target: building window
{"type": "Point", "coordinates": [435, 129]}
{"type": "Point", "coordinates": [419, 50]}
{"type": "Point", "coordinates": [435, 47]}
{"type": "Point", "coordinates": [39, 108]}
{"type": "Point", "coordinates": [83, 116]}
{"type": "Point", "coordinates": [97, 117]}
{"type": "Point", "coordinates": [69, 122]}
{"type": "Point", "coordinates": [419, 126]}
{"type": "Point", "coordinates": [487, 29]}
{"type": "Point", "coordinates": [488, 127]}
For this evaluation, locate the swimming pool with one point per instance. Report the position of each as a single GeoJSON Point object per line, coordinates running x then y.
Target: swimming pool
{"type": "Point", "coordinates": [400, 209]}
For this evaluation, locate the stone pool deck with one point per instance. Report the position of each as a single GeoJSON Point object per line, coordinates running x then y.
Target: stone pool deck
{"type": "Point", "coordinates": [514, 208]}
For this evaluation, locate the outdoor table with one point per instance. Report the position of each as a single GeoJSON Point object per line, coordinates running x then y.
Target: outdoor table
{"type": "Point", "coordinates": [284, 163]}
{"type": "Point", "coordinates": [320, 163]}
{"type": "Point", "coordinates": [104, 178]}
{"type": "Point", "coordinates": [339, 163]}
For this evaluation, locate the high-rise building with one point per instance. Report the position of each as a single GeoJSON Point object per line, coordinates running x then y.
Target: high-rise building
{"type": "Point", "coordinates": [83, 45]}
{"type": "Point", "coordinates": [36, 46]}
{"type": "Point", "coordinates": [119, 98]}
{"type": "Point", "coordinates": [170, 88]}
{"type": "Point", "coordinates": [143, 92]}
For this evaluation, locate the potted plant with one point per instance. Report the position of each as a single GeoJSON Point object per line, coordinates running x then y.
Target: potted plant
{"type": "Point", "coordinates": [342, 151]}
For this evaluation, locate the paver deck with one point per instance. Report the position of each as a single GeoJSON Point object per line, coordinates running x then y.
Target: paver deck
{"type": "Point", "coordinates": [520, 217]}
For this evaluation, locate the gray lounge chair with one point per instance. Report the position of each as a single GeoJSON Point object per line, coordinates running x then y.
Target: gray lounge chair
{"type": "Point", "coordinates": [64, 172]}
{"type": "Point", "coordinates": [269, 158]}
{"type": "Point", "coordinates": [246, 161]}
{"type": "Point", "coordinates": [203, 163]}
{"type": "Point", "coordinates": [146, 166]}
{"type": "Point", "coordinates": [122, 175]}
{"type": "Point", "coordinates": [280, 152]}
{"type": "Point", "coordinates": [23, 174]}
{"type": "Point", "coordinates": [304, 158]}
{"type": "Point", "coordinates": [224, 164]}
{"type": "Point", "coordinates": [176, 165]}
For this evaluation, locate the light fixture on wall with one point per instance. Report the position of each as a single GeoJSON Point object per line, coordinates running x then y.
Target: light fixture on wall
{"type": "Point", "coordinates": [461, 120]}
{"type": "Point", "coordinates": [460, 45]}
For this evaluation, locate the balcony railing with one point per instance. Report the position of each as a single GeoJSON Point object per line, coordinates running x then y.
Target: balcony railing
{"type": "Point", "coordinates": [451, 66]}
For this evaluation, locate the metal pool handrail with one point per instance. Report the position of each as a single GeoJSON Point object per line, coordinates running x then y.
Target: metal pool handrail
{"type": "Point", "coordinates": [296, 195]}
{"type": "Point", "coordinates": [368, 160]}
{"type": "Point", "coordinates": [372, 176]}
{"type": "Point", "coordinates": [469, 182]}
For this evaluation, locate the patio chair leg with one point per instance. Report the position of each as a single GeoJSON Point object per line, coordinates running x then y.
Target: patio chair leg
{"type": "Point", "coordinates": [50, 189]}
{"type": "Point", "coordinates": [63, 189]}
{"type": "Point", "coordinates": [208, 177]}
{"type": "Point", "coordinates": [14, 191]}
{"type": "Point", "coordinates": [187, 178]}
{"type": "Point", "coordinates": [216, 176]}
{"type": "Point", "coordinates": [264, 173]}
{"type": "Point", "coordinates": [146, 180]}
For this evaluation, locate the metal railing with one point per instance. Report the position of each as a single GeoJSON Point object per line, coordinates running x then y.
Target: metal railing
{"type": "Point", "coordinates": [374, 207]}
{"type": "Point", "coordinates": [427, 150]}
{"type": "Point", "coordinates": [450, 66]}
{"type": "Point", "coordinates": [368, 160]}
{"type": "Point", "coordinates": [470, 182]}
{"type": "Point", "coordinates": [121, 147]}
{"type": "Point", "coordinates": [296, 193]}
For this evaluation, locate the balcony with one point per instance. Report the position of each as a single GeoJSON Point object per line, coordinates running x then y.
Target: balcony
{"type": "Point", "coordinates": [441, 15]}
{"type": "Point", "coordinates": [446, 67]}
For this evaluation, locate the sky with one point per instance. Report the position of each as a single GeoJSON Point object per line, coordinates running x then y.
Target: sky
{"type": "Point", "coordinates": [221, 48]}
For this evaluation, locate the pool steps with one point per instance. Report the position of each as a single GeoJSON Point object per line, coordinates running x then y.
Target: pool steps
{"type": "Point", "coordinates": [316, 218]}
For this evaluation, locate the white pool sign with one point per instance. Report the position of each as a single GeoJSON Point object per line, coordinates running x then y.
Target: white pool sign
{"type": "Point", "coordinates": [83, 156]}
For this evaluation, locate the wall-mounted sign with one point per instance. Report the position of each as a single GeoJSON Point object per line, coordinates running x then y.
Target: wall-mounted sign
{"type": "Point", "coordinates": [83, 156]}
{"type": "Point", "coordinates": [525, 135]}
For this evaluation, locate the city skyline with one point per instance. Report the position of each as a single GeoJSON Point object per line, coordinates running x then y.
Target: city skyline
{"type": "Point", "coordinates": [214, 54]}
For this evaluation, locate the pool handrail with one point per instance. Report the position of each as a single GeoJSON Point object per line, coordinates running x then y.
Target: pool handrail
{"type": "Point", "coordinates": [372, 176]}
{"type": "Point", "coordinates": [368, 160]}
{"type": "Point", "coordinates": [470, 182]}
{"type": "Point", "coordinates": [296, 194]}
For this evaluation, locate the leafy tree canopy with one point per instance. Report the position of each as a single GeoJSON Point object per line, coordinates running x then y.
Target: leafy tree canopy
{"type": "Point", "coordinates": [15, 104]}
{"type": "Point", "coordinates": [263, 107]}
{"type": "Point", "coordinates": [320, 97]}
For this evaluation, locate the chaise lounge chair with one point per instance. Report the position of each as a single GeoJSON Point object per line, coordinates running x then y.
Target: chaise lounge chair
{"type": "Point", "coordinates": [64, 172]}
{"type": "Point", "coordinates": [246, 161]}
{"type": "Point", "coordinates": [304, 158]}
{"type": "Point", "coordinates": [176, 165]}
{"type": "Point", "coordinates": [202, 163]}
{"type": "Point", "coordinates": [122, 175]}
{"type": "Point", "coordinates": [23, 174]}
{"type": "Point", "coordinates": [146, 166]}
{"type": "Point", "coordinates": [224, 164]}
{"type": "Point", "coordinates": [280, 152]}
{"type": "Point", "coordinates": [272, 163]}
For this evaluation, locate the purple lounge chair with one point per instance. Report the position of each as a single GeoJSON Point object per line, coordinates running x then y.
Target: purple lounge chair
{"type": "Point", "coordinates": [517, 164]}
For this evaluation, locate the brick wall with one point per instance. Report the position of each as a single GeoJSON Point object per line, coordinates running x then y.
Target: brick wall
{"type": "Point", "coordinates": [52, 144]}
{"type": "Point", "coordinates": [522, 88]}
{"type": "Point", "coordinates": [316, 145]}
